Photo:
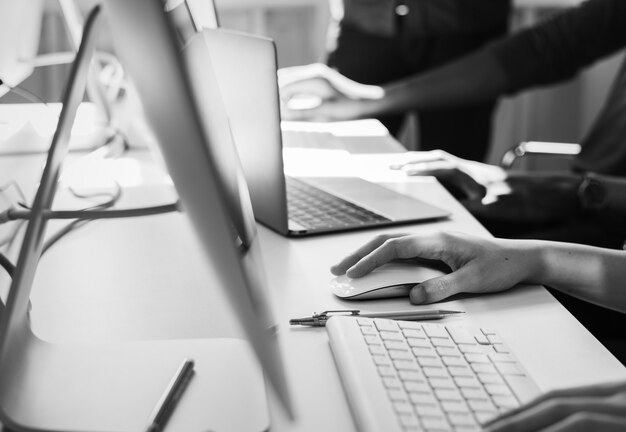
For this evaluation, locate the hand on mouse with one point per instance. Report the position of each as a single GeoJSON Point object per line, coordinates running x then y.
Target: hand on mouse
{"type": "Point", "coordinates": [338, 97]}
{"type": "Point", "coordinates": [478, 265]}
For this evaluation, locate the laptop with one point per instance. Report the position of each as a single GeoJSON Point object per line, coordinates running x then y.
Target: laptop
{"type": "Point", "coordinates": [245, 67]}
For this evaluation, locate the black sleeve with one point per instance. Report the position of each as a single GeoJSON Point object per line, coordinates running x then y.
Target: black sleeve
{"type": "Point", "coordinates": [558, 48]}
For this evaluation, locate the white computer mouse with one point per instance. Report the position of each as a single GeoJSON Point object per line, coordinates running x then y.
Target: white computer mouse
{"type": "Point", "coordinates": [390, 280]}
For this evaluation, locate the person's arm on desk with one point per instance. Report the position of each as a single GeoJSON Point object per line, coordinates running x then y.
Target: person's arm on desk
{"type": "Point", "coordinates": [489, 265]}
{"type": "Point", "coordinates": [343, 99]}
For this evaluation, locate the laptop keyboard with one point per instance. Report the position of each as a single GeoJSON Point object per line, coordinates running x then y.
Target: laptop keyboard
{"type": "Point", "coordinates": [410, 376]}
{"type": "Point", "coordinates": [314, 208]}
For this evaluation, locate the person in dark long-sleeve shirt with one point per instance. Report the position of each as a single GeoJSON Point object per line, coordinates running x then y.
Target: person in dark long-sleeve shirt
{"type": "Point", "coordinates": [586, 205]}
{"type": "Point", "coordinates": [381, 41]}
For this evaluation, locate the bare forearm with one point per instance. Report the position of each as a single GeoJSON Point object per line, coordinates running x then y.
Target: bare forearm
{"type": "Point", "coordinates": [592, 274]}
{"type": "Point", "coordinates": [472, 79]}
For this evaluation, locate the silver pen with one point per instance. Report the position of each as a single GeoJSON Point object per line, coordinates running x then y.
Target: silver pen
{"type": "Point", "coordinates": [173, 392]}
{"type": "Point", "coordinates": [319, 319]}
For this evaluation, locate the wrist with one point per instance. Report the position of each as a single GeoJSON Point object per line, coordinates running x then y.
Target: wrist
{"type": "Point", "coordinates": [531, 260]}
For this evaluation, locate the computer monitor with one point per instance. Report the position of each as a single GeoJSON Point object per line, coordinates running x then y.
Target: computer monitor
{"type": "Point", "coordinates": [17, 53]}
{"type": "Point", "coordinates": [183, 105]}
{"type": "Point", "coordinates": [115, 386]}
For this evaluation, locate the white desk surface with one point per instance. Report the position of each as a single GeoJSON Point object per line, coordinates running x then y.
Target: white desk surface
{"type": "Point", "coordinates": [146, 279]}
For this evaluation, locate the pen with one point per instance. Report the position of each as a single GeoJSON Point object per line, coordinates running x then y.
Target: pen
{"type": "Point", "coordinates": [319, 319]}
{"type": "Point", "coordinates": [173, 392]}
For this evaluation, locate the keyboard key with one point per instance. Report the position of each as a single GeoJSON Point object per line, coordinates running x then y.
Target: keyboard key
{"type": "Point", "coordinates": [406, 365]}
{"type": "Point", "coordinates": [460, 371]}
{"type": "Point", "coordinates": [397, 395]}
{"type": "Point", "coordinates": [506, 402]}
{"type": "Point", "coordinates": [503, 358]}
{"type": "Point", "coordinates": [494, 339]}
{"type": "Point", "coordinates": [501, 348]}
{"type": "Point", "coordinates": [477, 358]}
{"type": "Point", "coordinates": [423, 399]}
{"type": "Point", "coordinates": [467, 428]}
{"type": "Point", "coordinates": [522, 387]}
{"type": "Point", "coordinates": [448, 394]}
{"type": "Point", "coordinates": [449, 352]}
{"type": "Point", "coordinates": [509, 369]}
{"type": "Point", "coordinates": [369, 331]}
{"type": "Point", "coordinates": [386, 371]}
{"type": "Point", "coordinates": [432, 372]}
{"type": "Point", "coordinates": [461, 419]}
{"type": "Point", "coordinates": [436, 424]}
{"type": "Point", "coordinates": [410, 325]}
{"type": "Point", "coordinates": [442, 383]}
{"type": "Point", "coordinates": [470, 349]}
{"type": "Point", "coordinates": [381, 360]}
{"type": "Point", "coordinates": [429, 361]}
{"type": "Point", "coordinates": [386, 325]}
{"type": "Point", "coordinates": [417, 387]}
{"type": "Point", "coordinates": [396, 345]}
{"type": "Point", "coordinates": [414, 333]}
{"type": "Point", "coordinates": [392, 383]}
{"type": "Point", "coordinates": [498, 389]}
{"type": "Point", "coordinates": [451, 406]}
{"type": "Point", "coordinates": [388, 335]}
{"type": "Point", "coordinates": [364, 322]}
{"type": "Point", "coordinates": [469, 382]}
{"type": "Point", "coordinates": [474, 394]}
{"type": "Point", "coordinates": [425, 352]}
{"type": "Point", "coordinates": [454, 361]}
{"type": "Point", "coordinates": [482, 339]}
{"type": "Point", "coordinates": [490, 378]}
{"type": "Point", "coordinates": [419, 343]}
{"type": "Point", "coordinates": [372, 340]}
{"type": "Point", "coordinates": [437, 342]}
{"type": "Point", "coordinates": [436, 331]}
{"type": "Point", "coordinates": [403, 407]}
{"type": "Point", "coordinates": [409, 421]}
{"type": "Point", "coordinates": [429, 410]}
{"type": "Point", "coordinates": [482, 405]}
{"type": "Point", "coordinates": [461, 336]}
{"type": "Point", "coordinates": [410, 375]}
{"type": "Point", "coordinates": [485, 416]}
{"type": "Point", "coordinates": [377, 349]}
{"type": "Point", "coordinates": [400, 355]}
{"type": "Point", "coordinates": [483, 368]}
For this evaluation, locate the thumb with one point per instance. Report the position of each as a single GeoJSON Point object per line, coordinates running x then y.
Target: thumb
{"type": "Point", "coordinates": [437, 289]}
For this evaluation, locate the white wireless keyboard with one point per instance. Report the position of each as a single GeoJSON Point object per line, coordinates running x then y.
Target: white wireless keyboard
{"type": "Point", "coordinates": [410, 376]}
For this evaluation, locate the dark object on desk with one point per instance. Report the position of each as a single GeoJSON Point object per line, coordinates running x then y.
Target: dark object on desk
{"type": "Point", "coordinates": [320, 319]}
{"type": "Point", "coordinates": [175, 389]}
{"type": "Point", "coordinates": [394, 279]}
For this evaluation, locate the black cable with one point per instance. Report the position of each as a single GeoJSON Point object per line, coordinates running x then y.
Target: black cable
{"type": "Point", "coordinates": [113, 199]}
{"type": "Point", "coordinates": [7, 265]}
{"type": "Point", "coordinates": [91, 214]}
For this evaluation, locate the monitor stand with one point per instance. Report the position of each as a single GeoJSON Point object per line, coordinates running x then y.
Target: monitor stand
{"type": "Point", "coordinates": [115, 387]}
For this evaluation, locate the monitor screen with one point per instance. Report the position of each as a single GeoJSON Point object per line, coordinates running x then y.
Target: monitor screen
{"type": "Point", "coordinates": [182, 103]}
